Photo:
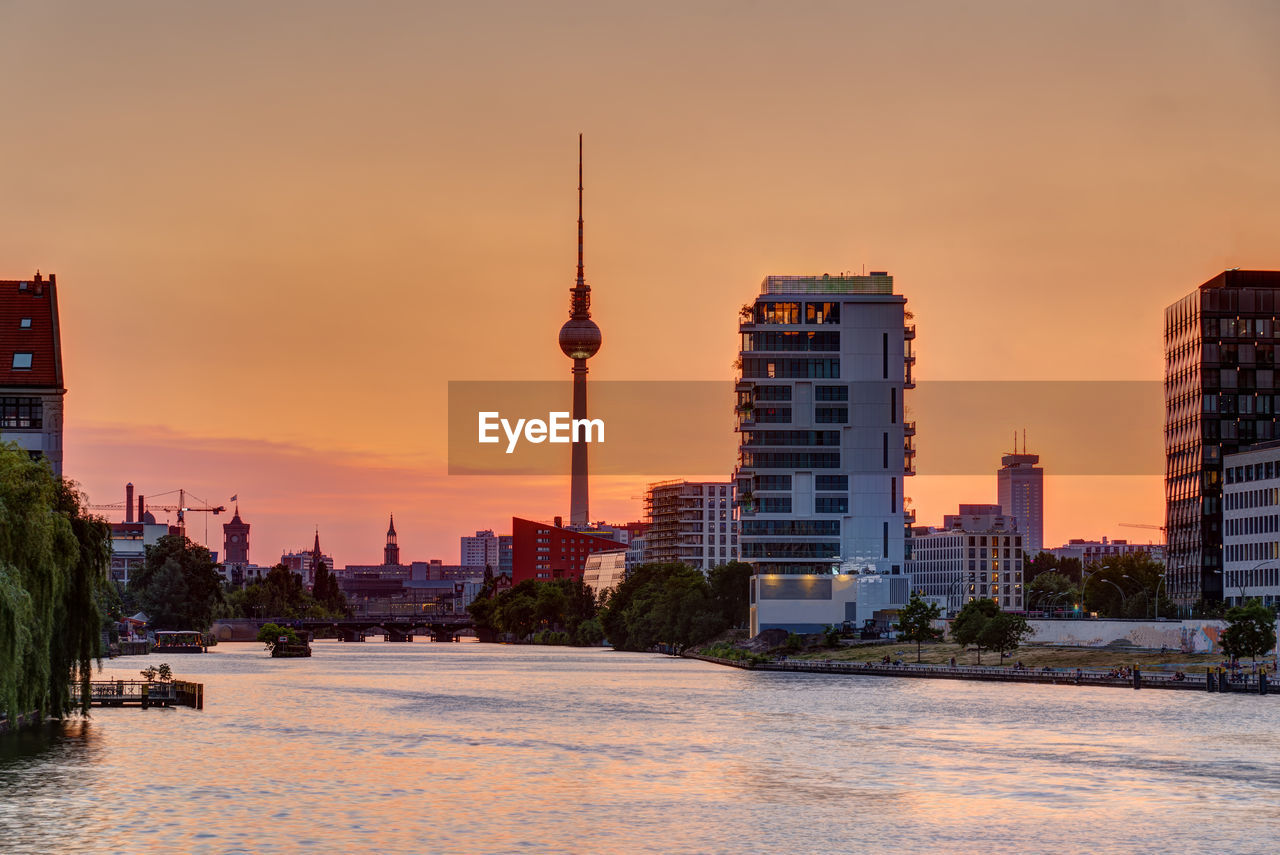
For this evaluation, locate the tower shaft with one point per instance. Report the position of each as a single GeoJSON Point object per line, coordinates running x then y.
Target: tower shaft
{"type": "Point", "coordinates": [578, 511]}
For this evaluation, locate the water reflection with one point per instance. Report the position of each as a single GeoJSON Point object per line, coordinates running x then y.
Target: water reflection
{"type": "Point", "coordinates": [478, 748]}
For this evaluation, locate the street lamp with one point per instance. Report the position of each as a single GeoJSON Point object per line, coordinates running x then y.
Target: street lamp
{"type": "Point", "coordinates": [1124, 600]}
{"type": "Point", "coordinates": [1085, 581]}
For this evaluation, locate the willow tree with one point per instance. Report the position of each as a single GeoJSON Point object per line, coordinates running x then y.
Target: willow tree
{"type": "Point", "coordinates": [53, 561]}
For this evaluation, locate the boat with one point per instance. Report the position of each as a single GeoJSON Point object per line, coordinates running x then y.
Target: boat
{"type": "Point", "coordinates": [179, 641]}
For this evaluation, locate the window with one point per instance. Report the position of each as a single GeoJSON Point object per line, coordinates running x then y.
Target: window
{"type": "Point", "coordinates": [21, 413]}
{"type": "Point", "coordinates": [831, 393]}
{"type": "Point", "coordinates": [831, 415]}
{"type": "Point", "coordinates": [22, 361]}
{"type": "Point", "coordinates": [822, 313]}
{"type": "Point", "coordinates": [831, 505]}
{"type": "Point", "coordinates": [25, 323]}
{"type": "Point", "coordinates": [825, 482]}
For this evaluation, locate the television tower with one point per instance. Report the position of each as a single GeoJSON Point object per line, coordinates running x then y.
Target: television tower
{"type": "Point", "coordinates": [579, 340]}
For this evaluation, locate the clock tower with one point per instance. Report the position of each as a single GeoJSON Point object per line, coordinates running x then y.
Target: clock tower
{"type": "Point", "coordinates": [235, 540]}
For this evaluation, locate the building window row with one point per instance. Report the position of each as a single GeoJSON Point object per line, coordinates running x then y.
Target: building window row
{"type": "Point", "coordinates": [801, 369]}
{"type": "Point", "coordinates": [791, 341]}
{"type": "Point", "coordinates": [790, 460]}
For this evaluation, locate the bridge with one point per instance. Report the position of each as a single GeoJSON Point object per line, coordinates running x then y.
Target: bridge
{"type": "Point", "coordinates": [395, 627]}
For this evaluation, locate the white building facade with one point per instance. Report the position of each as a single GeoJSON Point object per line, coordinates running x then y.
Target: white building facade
{"type": "Point", "coordinates": [605, 570]}
{"type": "Point", "coordinates": [976, 553]}
{"type": "Point", "coordinates": [809, 603]}
{"type": "Point", "coordinates": [1251, 524]}
{"type": "Point", "coordinates": [823, 446]}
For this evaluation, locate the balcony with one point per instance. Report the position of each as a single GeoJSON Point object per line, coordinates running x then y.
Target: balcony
{"type": "Point", "coordinates": [908, 429]}
{"type": "Point", "coordinates": [907, 380]}
{"type": "Point", "coordinates": [909, 332]}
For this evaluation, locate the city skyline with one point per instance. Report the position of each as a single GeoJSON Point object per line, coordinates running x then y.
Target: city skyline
{"type": "Point", "coordinates": [285, 344]}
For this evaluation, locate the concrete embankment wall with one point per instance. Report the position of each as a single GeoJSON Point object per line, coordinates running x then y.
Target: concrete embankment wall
{"type": "Point", "coordinates": [1187, 636]}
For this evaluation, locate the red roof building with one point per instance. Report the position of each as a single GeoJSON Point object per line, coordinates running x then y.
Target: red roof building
{"type": "Point", "coordinates": [543, 551]}
{"type": "Point", "coordinates": [31, 388]}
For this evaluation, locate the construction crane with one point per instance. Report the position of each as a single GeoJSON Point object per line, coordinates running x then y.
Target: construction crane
{"type": "Point", "coordinates": [181, 508]}
{"type": "Point", "coordinates": [1158, 528]}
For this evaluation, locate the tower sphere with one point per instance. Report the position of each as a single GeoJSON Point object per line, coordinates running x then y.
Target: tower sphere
{"type": "Point", "coordinates": [580, 338]}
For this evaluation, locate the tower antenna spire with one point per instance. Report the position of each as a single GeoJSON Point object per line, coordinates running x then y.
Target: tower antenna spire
{"type": "Point", "coordinates": [581, 279]}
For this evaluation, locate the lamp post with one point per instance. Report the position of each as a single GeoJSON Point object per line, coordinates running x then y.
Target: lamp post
{"type": "Point", "coordinates": [1084, 606]}
{"type": "Point", "coordinates": [1155, 607]}
{"type": "Point", "coordinates": [1053, 601]}
{"type": "Point", "coordinates": [1124, 600]}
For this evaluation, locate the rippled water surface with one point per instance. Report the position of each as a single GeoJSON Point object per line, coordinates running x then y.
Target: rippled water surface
{"type": "Point", "coordinates": [482, 748]}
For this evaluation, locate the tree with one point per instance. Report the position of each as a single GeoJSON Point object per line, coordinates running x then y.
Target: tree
{"type": "Point", "coordinates": [1047, 562]}
{"type": "Point", "coordinates": [731, 590]}
{"type": "Point", "coordinates": [915, 621]}
{"type": "Point", "coordinates": [1049, 590]}
{"type": "Point", "coordinates": [671, 605]}
{"type": "Point", "coordinates": [1003, 633]}
{"type": "Point", "coordinates": [326, 593]}
{"type": "Point", "coordinates": [270, 635]}
{"type": "Point", "coordinates": [967, 627]}
{"type": "Point", "coordinates": [1126, 586]}
{"type": "Point", "coordinates": [178, 584]}
{"type": "Point", "coordinates": [1251, 631]}
{"type": "Point", "coordinates": [53, 571]}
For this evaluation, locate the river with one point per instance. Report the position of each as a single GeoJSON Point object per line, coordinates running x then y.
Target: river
{"type": "Point", "coordinates": [434, 748]}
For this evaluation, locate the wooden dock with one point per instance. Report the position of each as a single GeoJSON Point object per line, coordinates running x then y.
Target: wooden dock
{"type": "Point", "coordinates": [141, 693]}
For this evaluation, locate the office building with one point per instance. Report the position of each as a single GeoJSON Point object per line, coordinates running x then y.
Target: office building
{"type": "Point", "coordinates": [31, 387]}
{"type": "Point", "coordinates": [1220, 396]}
{"type": "Point", "coordinates": [486, 549]}
{"type": "Point", "coordinates": [1021, 495]}
{"type": "Point", "coordinates": [1251, 524]}
{"type": "Point", "coordinates": [976, 553]}
{"type": "Point", "coordinates": [1100, 551]}
{"type": "Point", "coordinates": [545, 551]}
{"type": "Point", "coordinates": [691, 522]}
{"type": "Point", "coordinates": [809, 603]}
{"type": "Point", "coordinates": [605, 570]}
{"type": "Point", "coordinates": [823, 448]}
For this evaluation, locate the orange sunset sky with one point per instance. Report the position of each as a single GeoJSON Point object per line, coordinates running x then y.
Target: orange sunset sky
{"type": "Point", "coordinates": [280, 229]}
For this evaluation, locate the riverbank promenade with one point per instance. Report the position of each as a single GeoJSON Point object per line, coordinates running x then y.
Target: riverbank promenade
{"type": "Point", "coordinates": [1246, 684]}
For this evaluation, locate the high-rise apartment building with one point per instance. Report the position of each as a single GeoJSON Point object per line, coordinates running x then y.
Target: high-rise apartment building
{"type": "Point", "coordinates": [1021, 495]}
{"type": "Point", "coordinates": [823, 448]}
{"type": "Point", "coordinates": [1220, 386]}
{"type": "Point", "coordinates": [691, 522]}
{"type": "Point", "coordinates": [31, 388]}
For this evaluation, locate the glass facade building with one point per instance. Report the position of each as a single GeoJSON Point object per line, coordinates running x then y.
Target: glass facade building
{"type": "Point", "coordinates": [1220, 344]}
{"type": "Point", "coordinates": [823, 448]}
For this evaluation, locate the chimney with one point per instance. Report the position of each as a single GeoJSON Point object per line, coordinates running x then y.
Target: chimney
{"type": "Point", "coordinates": [142, 506]}
{"type": "Point", "coordinates": [128, 502]}
{"type": "Point", "coordinates": [558, 522]}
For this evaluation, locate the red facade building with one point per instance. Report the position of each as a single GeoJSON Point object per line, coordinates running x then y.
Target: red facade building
{"type": "Point", "coordinates": [543, 551]}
